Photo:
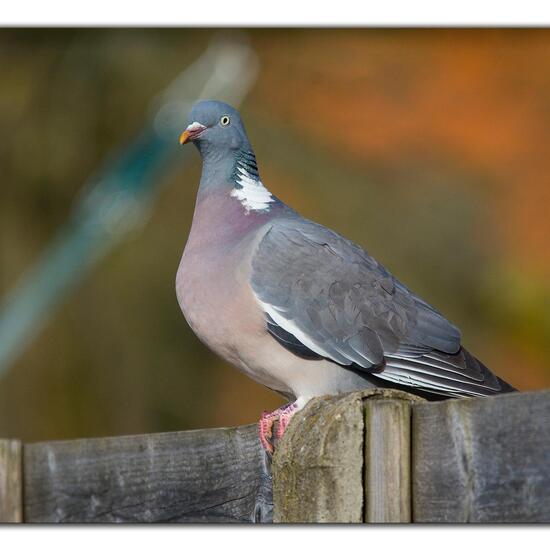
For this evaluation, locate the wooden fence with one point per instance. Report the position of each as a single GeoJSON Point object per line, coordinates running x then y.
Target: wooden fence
{"type": "Point", "coordinates": [375, 456]}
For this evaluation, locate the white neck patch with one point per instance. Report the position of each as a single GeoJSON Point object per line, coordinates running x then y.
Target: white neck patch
{"type": "Point", "coordinates": [252, 194]}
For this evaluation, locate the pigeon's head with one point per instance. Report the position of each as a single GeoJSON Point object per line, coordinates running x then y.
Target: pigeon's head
{"type": "Point", "coordinates": [214, 125]}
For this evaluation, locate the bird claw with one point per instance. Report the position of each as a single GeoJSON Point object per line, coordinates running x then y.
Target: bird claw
{"type": "Point", "coordinates": [280, 418]}
{"type": "Point", "coordinates": [265, 428]}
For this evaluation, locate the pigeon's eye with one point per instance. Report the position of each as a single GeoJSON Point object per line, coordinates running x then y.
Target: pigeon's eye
{"type": "Point", "coordinates": [225, 120]}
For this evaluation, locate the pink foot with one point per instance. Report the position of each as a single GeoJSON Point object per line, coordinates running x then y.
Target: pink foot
{"type": "Point", "coordinates": [282, 416]}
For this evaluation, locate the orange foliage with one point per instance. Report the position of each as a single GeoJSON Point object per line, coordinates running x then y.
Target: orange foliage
{"type": "Point", "coordinates": [478, 97]}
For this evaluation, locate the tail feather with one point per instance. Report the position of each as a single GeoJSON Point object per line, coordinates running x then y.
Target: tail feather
{"type": "Point", "coordinates": [442, 374]}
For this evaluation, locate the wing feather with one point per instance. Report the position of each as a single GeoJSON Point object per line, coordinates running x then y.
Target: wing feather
{"type": "Point", "coordinates": [325, 296]}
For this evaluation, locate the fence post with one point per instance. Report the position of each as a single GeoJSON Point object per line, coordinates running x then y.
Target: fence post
{"type": "Point", "coordinates": [11, 486]}
{"type": "Point", "coordinates": [346, 459]}
{"type": "Point", "coordinates": [318, 465]}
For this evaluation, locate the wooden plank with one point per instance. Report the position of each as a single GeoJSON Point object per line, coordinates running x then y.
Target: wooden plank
{"type": "Point", "coordinates": [318, 465]}
{"type": "Point", "coordinates": [11, 484]}
{"type": "Point", "coordinates": [219, 475]}
{"type": "Point", "coordinates": [387, 461]}
{"type": "Point", "coordinates": [483, 459]}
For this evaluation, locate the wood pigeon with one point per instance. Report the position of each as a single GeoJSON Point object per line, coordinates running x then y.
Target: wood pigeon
{"type": "Point", "coordinates": [293, 304]}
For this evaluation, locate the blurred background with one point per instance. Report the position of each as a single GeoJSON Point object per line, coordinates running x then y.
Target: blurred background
{"type": "Point", "coordinates": [427, 147]}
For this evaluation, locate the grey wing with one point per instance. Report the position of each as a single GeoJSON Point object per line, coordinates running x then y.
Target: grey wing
{"type": "Point", "coordinates": [324, 296]}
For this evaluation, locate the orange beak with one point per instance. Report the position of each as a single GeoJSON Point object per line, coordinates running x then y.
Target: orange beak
{"type": "Point", "coordinates": [184, 138]}
{"type": "Point", "coordinates": [192, 132]}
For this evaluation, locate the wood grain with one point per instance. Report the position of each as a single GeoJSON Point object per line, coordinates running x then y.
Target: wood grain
{"type": "Point", "coordinates": [482, 460]}
{"type": "Point", "coordinates": [11, 484]}
{"type": "Point", "coordinates": [387, 461]}
{"type": "Point", "coordinates": [218, 475]}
